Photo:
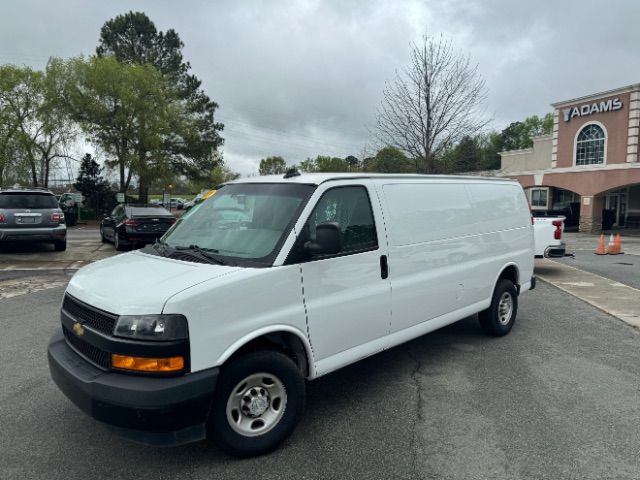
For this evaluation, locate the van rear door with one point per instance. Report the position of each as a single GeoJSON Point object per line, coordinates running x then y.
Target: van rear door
{"type": "Point", "coordinates": [347, 295]}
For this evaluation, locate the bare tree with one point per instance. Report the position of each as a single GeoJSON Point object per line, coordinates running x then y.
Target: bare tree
{"type": "Point", "coordinates": [432, 103]}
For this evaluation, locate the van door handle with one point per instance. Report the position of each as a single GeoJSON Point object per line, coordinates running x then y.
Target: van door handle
{"type": "Point", "coordinates": [384, 267]}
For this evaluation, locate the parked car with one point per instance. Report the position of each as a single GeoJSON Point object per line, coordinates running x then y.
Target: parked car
{"type": "Point", "coordinates": [130, 225]}
{"type": "Point", "coordinates": [69, 206]}
{"type": "Point", "coordinates": [175, 203]}
{"type": "Point", "coordinates": [201, 197]}
{"type": "Point", "coordinates": [548, 237]}
{"type": "Point", "coordinates": [32, 214]}
{"type": "Point", "coordinates": [569, 210]}
{"type": "Point", "coordinates": [219, 342]}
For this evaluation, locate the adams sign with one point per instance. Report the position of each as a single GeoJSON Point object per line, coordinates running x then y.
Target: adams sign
{"type": "Point", "coordinates": [591, 108]}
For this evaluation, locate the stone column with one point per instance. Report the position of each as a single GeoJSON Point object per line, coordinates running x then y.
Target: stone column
{"type": "Point", "coordinates": [591, 214]}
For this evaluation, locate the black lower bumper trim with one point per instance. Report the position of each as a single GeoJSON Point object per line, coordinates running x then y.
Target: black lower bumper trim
{"type": "Point", "coordinates": [158, 411]}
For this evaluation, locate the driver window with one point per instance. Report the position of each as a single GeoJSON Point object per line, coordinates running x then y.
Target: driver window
{"type": "Point", "coordinates": [351, 209]}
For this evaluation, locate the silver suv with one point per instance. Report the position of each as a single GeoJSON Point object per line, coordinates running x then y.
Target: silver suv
{"type": "Point", "coordinates": [31, 214]}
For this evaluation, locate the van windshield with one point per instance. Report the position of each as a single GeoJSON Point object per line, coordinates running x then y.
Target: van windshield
{"type": "Point", "coordinates": [241, 221]}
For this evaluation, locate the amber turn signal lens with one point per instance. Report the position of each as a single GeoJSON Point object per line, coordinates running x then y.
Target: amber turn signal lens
{"type": "Point", "coordinates": [146, 364]}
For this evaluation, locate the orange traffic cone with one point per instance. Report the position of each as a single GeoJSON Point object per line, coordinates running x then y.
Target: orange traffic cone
{"type": "Point", "coordinates": [611, 248]}
{"type": "Point", "coordinates": [618, 244]}
{"type": "Point", "coordinates": [601, 249]}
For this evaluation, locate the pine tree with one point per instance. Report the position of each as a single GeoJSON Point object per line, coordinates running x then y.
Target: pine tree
{"type": "Point", "coordinates": [94, 188]}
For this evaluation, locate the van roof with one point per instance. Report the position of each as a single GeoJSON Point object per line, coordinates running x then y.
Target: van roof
{"type": "Point", "coordinates": [318, 178]}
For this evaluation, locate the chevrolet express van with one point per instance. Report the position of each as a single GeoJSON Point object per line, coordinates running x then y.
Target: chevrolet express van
{"type": "Point", "coordinates": [212, 331]}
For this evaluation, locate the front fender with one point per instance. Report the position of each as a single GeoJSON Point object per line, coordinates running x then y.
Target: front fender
{"type": "Point", "coordinates": [238, 344]}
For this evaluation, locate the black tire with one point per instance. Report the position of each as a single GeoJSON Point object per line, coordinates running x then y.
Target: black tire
{"type": "Point", "coordinates": [102, 237]}
{"type": "Point", "coordinates": [268, 362]}
{"type": "Point", "coordinates": [494, 320]}
{"type": "Point", "coordinates": [116, 241]}
{"type": "Point", "coordinates": [60, 245]}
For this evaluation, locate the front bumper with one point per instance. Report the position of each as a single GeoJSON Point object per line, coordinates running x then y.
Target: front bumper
{"type": "Point", "coordinates": [152, 410]}
{"type": "Point", "coordinates": [34, 234]}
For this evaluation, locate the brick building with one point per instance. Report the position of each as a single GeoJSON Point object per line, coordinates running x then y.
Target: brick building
{"type": "Point", "coordinates": [588, 168]}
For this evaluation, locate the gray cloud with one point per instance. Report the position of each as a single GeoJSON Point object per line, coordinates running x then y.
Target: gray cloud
{"type": "Point", "coordinates": [303, 78]}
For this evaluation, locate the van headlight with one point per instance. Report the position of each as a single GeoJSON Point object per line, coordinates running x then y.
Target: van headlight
{"type": "Point", "coordinates": [160, 328]}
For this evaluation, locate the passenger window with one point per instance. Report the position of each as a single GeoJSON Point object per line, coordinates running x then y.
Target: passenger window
{"type": "Point", "coordinates": [351, 209]}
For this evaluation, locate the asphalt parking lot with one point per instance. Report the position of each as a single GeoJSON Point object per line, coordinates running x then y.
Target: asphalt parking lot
{"type": "Point", "coordinates": [621, 268]}
{"type": "Point", "coordinates": [83, 247]}
{"type": "Point", "coordinates": [558, 398]}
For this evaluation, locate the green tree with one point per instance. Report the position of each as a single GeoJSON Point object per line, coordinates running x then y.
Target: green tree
{"type": "Point", "coordinates": [390, 160]}
{"type": "Point", "coordinates": [518, 135]}
{"type": "Point", "coordinates": [272, 166]}
{"type": "Point", "coordinates": [219, 174]}
{"type": "Point", "coordinates": [92, 185]}
{"type": "Point", "coordinates": [133, 38]}
{"type": "Point", "coordinates": [308, 165]}
{"type": "Point", "coordinates": [34, 131]}
{"type": "Point", "coordinates": [463, 157]}
{"type": "Point", "coordinates": [330, 164]}
{"type": "Point", "coordinates": [353, 162]}
{"type": "Point", "coordinates": [131, 112]}
{"type": "Point", "coordinates": [222, 174]}
{"type": "Point", "coordinates": [325, 163]}
{"type": "Point", "coordinates": [491, 145]}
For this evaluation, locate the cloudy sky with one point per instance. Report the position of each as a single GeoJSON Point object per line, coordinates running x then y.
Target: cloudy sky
{"type": "Point", "coordinates": [302, 78]}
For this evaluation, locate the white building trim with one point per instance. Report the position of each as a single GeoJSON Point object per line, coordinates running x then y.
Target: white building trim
{"type": "Point", "coordinates": [598, 96]}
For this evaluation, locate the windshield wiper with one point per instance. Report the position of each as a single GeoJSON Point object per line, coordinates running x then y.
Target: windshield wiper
{"type": "Point", "coordinates": [160, 247]}
{"type": "Point", "coordinates": [202, 252]}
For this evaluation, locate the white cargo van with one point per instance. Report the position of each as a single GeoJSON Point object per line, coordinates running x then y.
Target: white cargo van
{"type": "Point", "coordinates": [212, 331]}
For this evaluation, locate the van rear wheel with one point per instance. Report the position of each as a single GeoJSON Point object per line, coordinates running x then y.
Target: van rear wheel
{"type": "Point", "coordinates": [498, 319]}
{"type": "Point", "coordinates": [258, 401]}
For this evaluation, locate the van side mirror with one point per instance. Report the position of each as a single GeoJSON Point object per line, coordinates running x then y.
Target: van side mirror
{"type": "Point", "coordinates": [328, 240]}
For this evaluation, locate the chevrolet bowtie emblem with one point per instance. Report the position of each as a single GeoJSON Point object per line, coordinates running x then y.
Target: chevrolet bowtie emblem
{"type": "Point", "coordinates": [78, 329]}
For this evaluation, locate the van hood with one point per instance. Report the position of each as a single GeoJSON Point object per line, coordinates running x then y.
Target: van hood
{"type": "Point", "coordinates": [137, 283]}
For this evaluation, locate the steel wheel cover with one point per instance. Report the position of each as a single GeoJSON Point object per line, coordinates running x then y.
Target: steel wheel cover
{"type": "Point", "coordinates": [256, 404]}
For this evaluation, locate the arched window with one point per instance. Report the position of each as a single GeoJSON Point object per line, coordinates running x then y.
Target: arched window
{"type": "Point", "coordinates": [590, 145]}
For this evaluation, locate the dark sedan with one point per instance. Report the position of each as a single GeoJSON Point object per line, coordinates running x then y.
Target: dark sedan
{"type": "Point", "coordinates": [131, 226]}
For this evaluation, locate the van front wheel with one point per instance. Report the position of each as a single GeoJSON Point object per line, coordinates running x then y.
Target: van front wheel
{"type": "Point", "coordinates": [498, 319]}
{"type": "Point", "coordinates": [258, 402]}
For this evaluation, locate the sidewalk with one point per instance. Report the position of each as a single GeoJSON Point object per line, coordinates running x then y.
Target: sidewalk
{"type": "Point", "coordinates": [610, 296]}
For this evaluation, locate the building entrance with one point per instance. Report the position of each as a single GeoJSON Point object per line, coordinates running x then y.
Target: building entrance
{"type": "Point", "coordinates": [616, 207]}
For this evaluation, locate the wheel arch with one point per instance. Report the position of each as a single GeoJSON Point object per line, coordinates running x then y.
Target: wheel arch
{"type": "Point", "coordinates": [510, 272]}
{"type": "Point", "coordinates": [283, 338]}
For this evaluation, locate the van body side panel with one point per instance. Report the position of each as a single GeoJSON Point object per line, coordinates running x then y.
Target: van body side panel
{"type": "Point", "coordinates": [504, 232]}
{"type": "Point", "coordinates": [222, 312]}
{"type": "Point", "coordinates": [430, 249]}
{"type": "Point", "coordinates": [448, 242]}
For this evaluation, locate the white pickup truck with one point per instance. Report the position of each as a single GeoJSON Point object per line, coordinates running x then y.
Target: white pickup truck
{"type": "Point", "coordinates": [548, 237]}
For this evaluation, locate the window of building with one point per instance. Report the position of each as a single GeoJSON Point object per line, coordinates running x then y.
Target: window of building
{"type": "Point", "coordinates": [564, 197]}
{"type": "Point", "coordinates": [590, 145]}
{"type": "Point", "coordinates": [539, 197]}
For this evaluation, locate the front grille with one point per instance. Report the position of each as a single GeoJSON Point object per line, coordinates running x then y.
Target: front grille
{"type": "Point", "coordinates": [97, 356]}
{"type": "Point", "coordinates": [89, 316]}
